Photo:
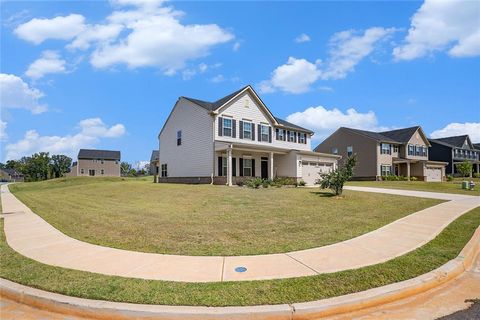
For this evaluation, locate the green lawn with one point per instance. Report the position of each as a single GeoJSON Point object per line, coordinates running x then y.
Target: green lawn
{"type": "Point", "coordinates": [208, 220]}
{"type": "Point", "coordinates": [446, 187]}
{"type": "Point", "coordinates": [446, 246]}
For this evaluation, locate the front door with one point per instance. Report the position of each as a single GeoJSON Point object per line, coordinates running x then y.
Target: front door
{"type": "Point", "coordinates": [264, 168]}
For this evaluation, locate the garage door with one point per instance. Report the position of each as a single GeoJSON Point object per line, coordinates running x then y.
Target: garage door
{"type": "Point", "coordinates": [434, 174]}
{"type": "Point", "coordinates": [311, 171]}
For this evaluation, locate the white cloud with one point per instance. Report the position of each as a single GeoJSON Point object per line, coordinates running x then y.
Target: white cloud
{"type": "Point", "coordinates": [348, 48]}
{"type": "Point", "coordinates": [236, 46]}
{"type": "Point", "coordinates": [302, 38]}
{"type": "Point", "coordinates": [91, 132]}
{"type": "Point", "coordinates": [157, 39]}
{"type": "Point", "coordinates": [95, 34]}
{"type": "Point", "coordinates": [3, 130]}
{"type": "Point", "coordinates": [458, 129]}
{"type": "Point", "coordinates": [16, 94]}
{"type": "Point", "coordinates": [295, 76]}
{"type": "Point", "coordinates": [49, 62]}
{"type": "Point", "coordinates": [218, 78]}
{"type": "Point", "coordinates": [452, 26]}
{"type": "Point", "coordinates": [324, 121]}
{"type": "Point", "coordinates": [59, 28]}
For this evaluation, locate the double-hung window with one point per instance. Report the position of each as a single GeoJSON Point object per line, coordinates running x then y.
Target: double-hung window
{"type": "Point", "coordinates": [164, 170]}
{"type": "Point", "coordinates": [247, 130]}
{"type": "Point", "coordinates": [386, 148]}
{"type": "Point", "coordinates": [291, 136]}
{"type": "Point", "coordinates": [264, 133]}
{"type": "Point", "coordinates": [302, 138]}
{"type": "Point", "coordinates": [395, 148]}
{"type": "Point", "coordinates": [179, 137]}
{"type": "Point", "coordinates": [424, 151]}
{"type": "Point", "coordinates": [224, 166]}
{"type": "Point", "coordinates": [335, 150]}
{"type": "Point", "coordinates": [247, 167]}
{"type": "Point", "coordinates": [281, 135]}
{"type": "Point", "coordinates": [227, 127]}
{"type": "Point", "coordinates": [349, 151]}
{"type": "Point", "coordinates": [411, 150]}
{"type": "Point", "coordinates": [385, 170]}
{"type": "Point", "coordinates": [418, 150]}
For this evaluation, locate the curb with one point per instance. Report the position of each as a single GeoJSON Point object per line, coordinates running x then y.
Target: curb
{"type": "Point", "coordinates": [97, 309]}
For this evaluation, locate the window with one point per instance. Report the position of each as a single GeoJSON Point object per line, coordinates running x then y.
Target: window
{"type": "Point", "coordinates": [247, 167]}
{"type": "Point", "coordinates": [116, 161]}
{"type": "Point", "coordinates": [418, 150]}
{"type": "Point", "coordinates": [385, 148]}
{"type": "Point", "coordinates": [349, 151]}
{"type": "Point", "coordinates": [385, 170]}
{"type": "Point", "coordinates": [102, 171]}
{"type": "Point", "coordinates": [264, 133]}
{"type": "Point", "coordinates": [91, 172]}
{"type": "Point", "coordinates": [424, 152]}
{"type": "Point", "coordinates": [302, 138]}
{"type": "Point", "coordinates": [291, 136]}
{"type": "Point", "coordinates": [281, 134]}
{"type": "Point", "coordinates": [224, 166]}
{"type": "Point", "coordinates": [164, 170]}
{"type": "Point", "coordinates": [247, 130]}
{"type": "Point", "coordinates": [179, 137]}
{"type": "Point", "coordinates": [82, 171]}
{"type": "Point", "coordinates": [335, 150]}
{"type": "Point", "coordinates": [227, 127]}
{"type": "Point", "coordinates": [101, 161]}
{"type": "Point", "coordinates": [395, 149]}
{"type": "Point", "coordinates": [411, 150]}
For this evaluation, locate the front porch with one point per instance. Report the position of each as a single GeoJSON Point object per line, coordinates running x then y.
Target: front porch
{"type": "Point", "coordinates": [475, 167]}
{"type": "Point", "coordinates": [420, 169]}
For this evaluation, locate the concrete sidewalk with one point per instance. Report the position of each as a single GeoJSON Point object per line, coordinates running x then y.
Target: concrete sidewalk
{"type": "Point", "coordinates": [33, 237]}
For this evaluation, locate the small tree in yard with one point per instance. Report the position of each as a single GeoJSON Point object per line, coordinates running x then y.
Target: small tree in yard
{"type": "Point", "coordinates": [336, 179]}
{"type": "Point", "coordinates": [465, 168]}
{"type": "Point", "coordinates": [125, 168]}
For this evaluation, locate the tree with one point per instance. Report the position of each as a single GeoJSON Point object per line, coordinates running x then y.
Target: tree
{"type": "Point", "coordinates": [336, 179]}
{"type": "Point", "coordinates": [60, 165]}
{"type": "Point", "coordinates": [125, 168]}
{"type": "Point", "coordinates": [465, 168]}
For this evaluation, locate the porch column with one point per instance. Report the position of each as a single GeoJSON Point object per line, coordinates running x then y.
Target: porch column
{"type": "Point", "coordinates": [229, 166]}
{"type": "Point", "coordinates": [271, 166]}
{"type": "Point", "coordinates": [408, 171]}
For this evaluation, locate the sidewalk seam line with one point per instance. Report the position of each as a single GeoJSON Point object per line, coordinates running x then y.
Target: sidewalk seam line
{"type": "Point", "coordinates": [288, 255]}
{"type": "Point", "coordinates": [223, 269]}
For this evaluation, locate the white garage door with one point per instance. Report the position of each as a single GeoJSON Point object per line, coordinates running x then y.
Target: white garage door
{"type": "Point", "coordinates": [434, 174]}
{"type": "Point", "coordinates": [311, 171]}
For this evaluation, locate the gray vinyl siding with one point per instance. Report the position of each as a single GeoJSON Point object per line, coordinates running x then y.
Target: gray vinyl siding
{"type": "Point", "coordinates": [194, 157]}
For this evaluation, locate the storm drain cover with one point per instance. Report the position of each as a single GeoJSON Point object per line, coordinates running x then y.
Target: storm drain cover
{"type": "Point", "coordinates": [240, 269]}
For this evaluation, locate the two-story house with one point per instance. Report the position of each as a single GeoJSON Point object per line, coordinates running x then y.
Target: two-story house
{"type": "Point", "coordinates": [235, 138]}
{"type": "Point", "coordinates": [397, 152]}
{"type": "Point", "coordinates": [100, 163]}
{"type": "Point", "coordinates": [454, 150]}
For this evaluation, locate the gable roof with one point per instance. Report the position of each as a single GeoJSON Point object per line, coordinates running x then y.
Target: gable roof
{"type": "Point", "coordinates": [12, 172]}
{"type": "Point", "coordinates": [155, 155]}
{"type": "Point", "coordinates": [398, 136]}
{"type": "Point", "coordinates": [213, 106]}
{"type": "Point", "coordinates": [98, 154]}
{"type": "Point", "coordinates": [455, 141]}
{"type": "Point", "coordinates": [476, 146]}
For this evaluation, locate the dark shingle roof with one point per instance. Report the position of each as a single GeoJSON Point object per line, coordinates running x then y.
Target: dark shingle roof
{"type": "Point", "coordinates": [212, 106]}
{"type": "Point", "coordinates": [456, 141]}
{"type": "Point", "coordinates": [155, 155]}
{"type": "Point", "coordinates": [476, 146]}
{"type": "Point", "coordinates": [373, 135]}
{"type": "Point", "coordinates": [98, 154]}
{"type": "Point", "coordinates": [401, 135]}
{"type": "Point", "coordinates": [12, 172]}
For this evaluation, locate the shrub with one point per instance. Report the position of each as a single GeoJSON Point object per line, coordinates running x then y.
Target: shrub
{"type": "Point", "coordinates": [301, 183]}
{"type": "Point", "coordinates": [449, 177]}
{"type": "Point", "coordinates": [240, 183]}
{"type": "Point", "coordinates": [283, 181]}
{"type": "Point", "coordinates": [465, 168]}
{"type": "Point", "coordinates": [266, 183]}
{"type": "Point", "coordinates": [476, 175]}
{"type": "Point", "coordinates": [254, 183]}
{"type": "Point", "coordinates": [336, 179]}
{"type": "Point", "coordinates": [413, 178]}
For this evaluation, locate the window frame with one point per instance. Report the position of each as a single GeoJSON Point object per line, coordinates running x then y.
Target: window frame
{"type": "Point", "coordinates": [225, 127]}
{"type": "Point", "coordinates": [383, 172]}
{"type": "Point", "coordinates": [179, 137]}
{"type": "Point", "coordinates": [302, 137]}
{"type": "Point", "coordinates": [281, 134]}
{"type": "Point", "coordinates": [411, 150]}
{"type": "Point", "coordinates": [291, 136]}
{"type": "Point", "coordinates": [334, 150]}
{"type": "Point", "coordinates": [164, 170]}
{"type": "Point", "coordinates": [385, 150]}
{"type": "Point", "coordinates": [250, 124]}
{"type": "Point", "coordinates": [224, 166]}
{"type": "Point", "coordinates": [349, 153]}
{"type": "Point", "coordinates": [247, 167]}
{"type": "Point", "coordinates": [262, 134]}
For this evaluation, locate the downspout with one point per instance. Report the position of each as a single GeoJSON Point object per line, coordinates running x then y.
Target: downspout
{"type": "Point", "coordinates": [213, 148]}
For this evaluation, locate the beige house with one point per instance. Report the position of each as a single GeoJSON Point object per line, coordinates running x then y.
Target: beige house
{"type": "Point", "coordinates": [402, 152]}
{"type": "Point", "coordinates": [233, 139]}
{"type": "Point", "coordinates": [154, 164]}
{"type": "Point", "coordinates": [96, 163]}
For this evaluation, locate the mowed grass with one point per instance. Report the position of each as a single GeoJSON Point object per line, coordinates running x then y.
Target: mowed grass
{"type": "Point", "coordinates": [445, 187]}
{"type": "Point", "coordinates": [208, 220]}
{"type": "Point", "coordinates": [446, 246]}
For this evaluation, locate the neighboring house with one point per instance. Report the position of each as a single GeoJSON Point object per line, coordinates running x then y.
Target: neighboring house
{"type": "Point", "coordinates": [154, 163]}
{"type": "Point", "coordinates": [101, 163]}
{"type": "Point", "coordinates": [454, 150]}
{"type": "Point", "coordinates": [235, 138]}
{"type": "Point", "coordinates": [11, 175]}
{"type": "Point", "coordinates": [398, 152]}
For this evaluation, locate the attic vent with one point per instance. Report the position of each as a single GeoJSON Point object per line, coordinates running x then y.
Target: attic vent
{"type": "Point", "coordinates": [246, 103]}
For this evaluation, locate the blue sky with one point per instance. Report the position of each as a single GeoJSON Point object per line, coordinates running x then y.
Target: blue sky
{"type": "Point", "coordinates": [106, 74]}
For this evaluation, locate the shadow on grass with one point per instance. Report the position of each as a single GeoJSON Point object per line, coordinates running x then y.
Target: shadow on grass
{"type": "Point", "coordinates": [325, 194]}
